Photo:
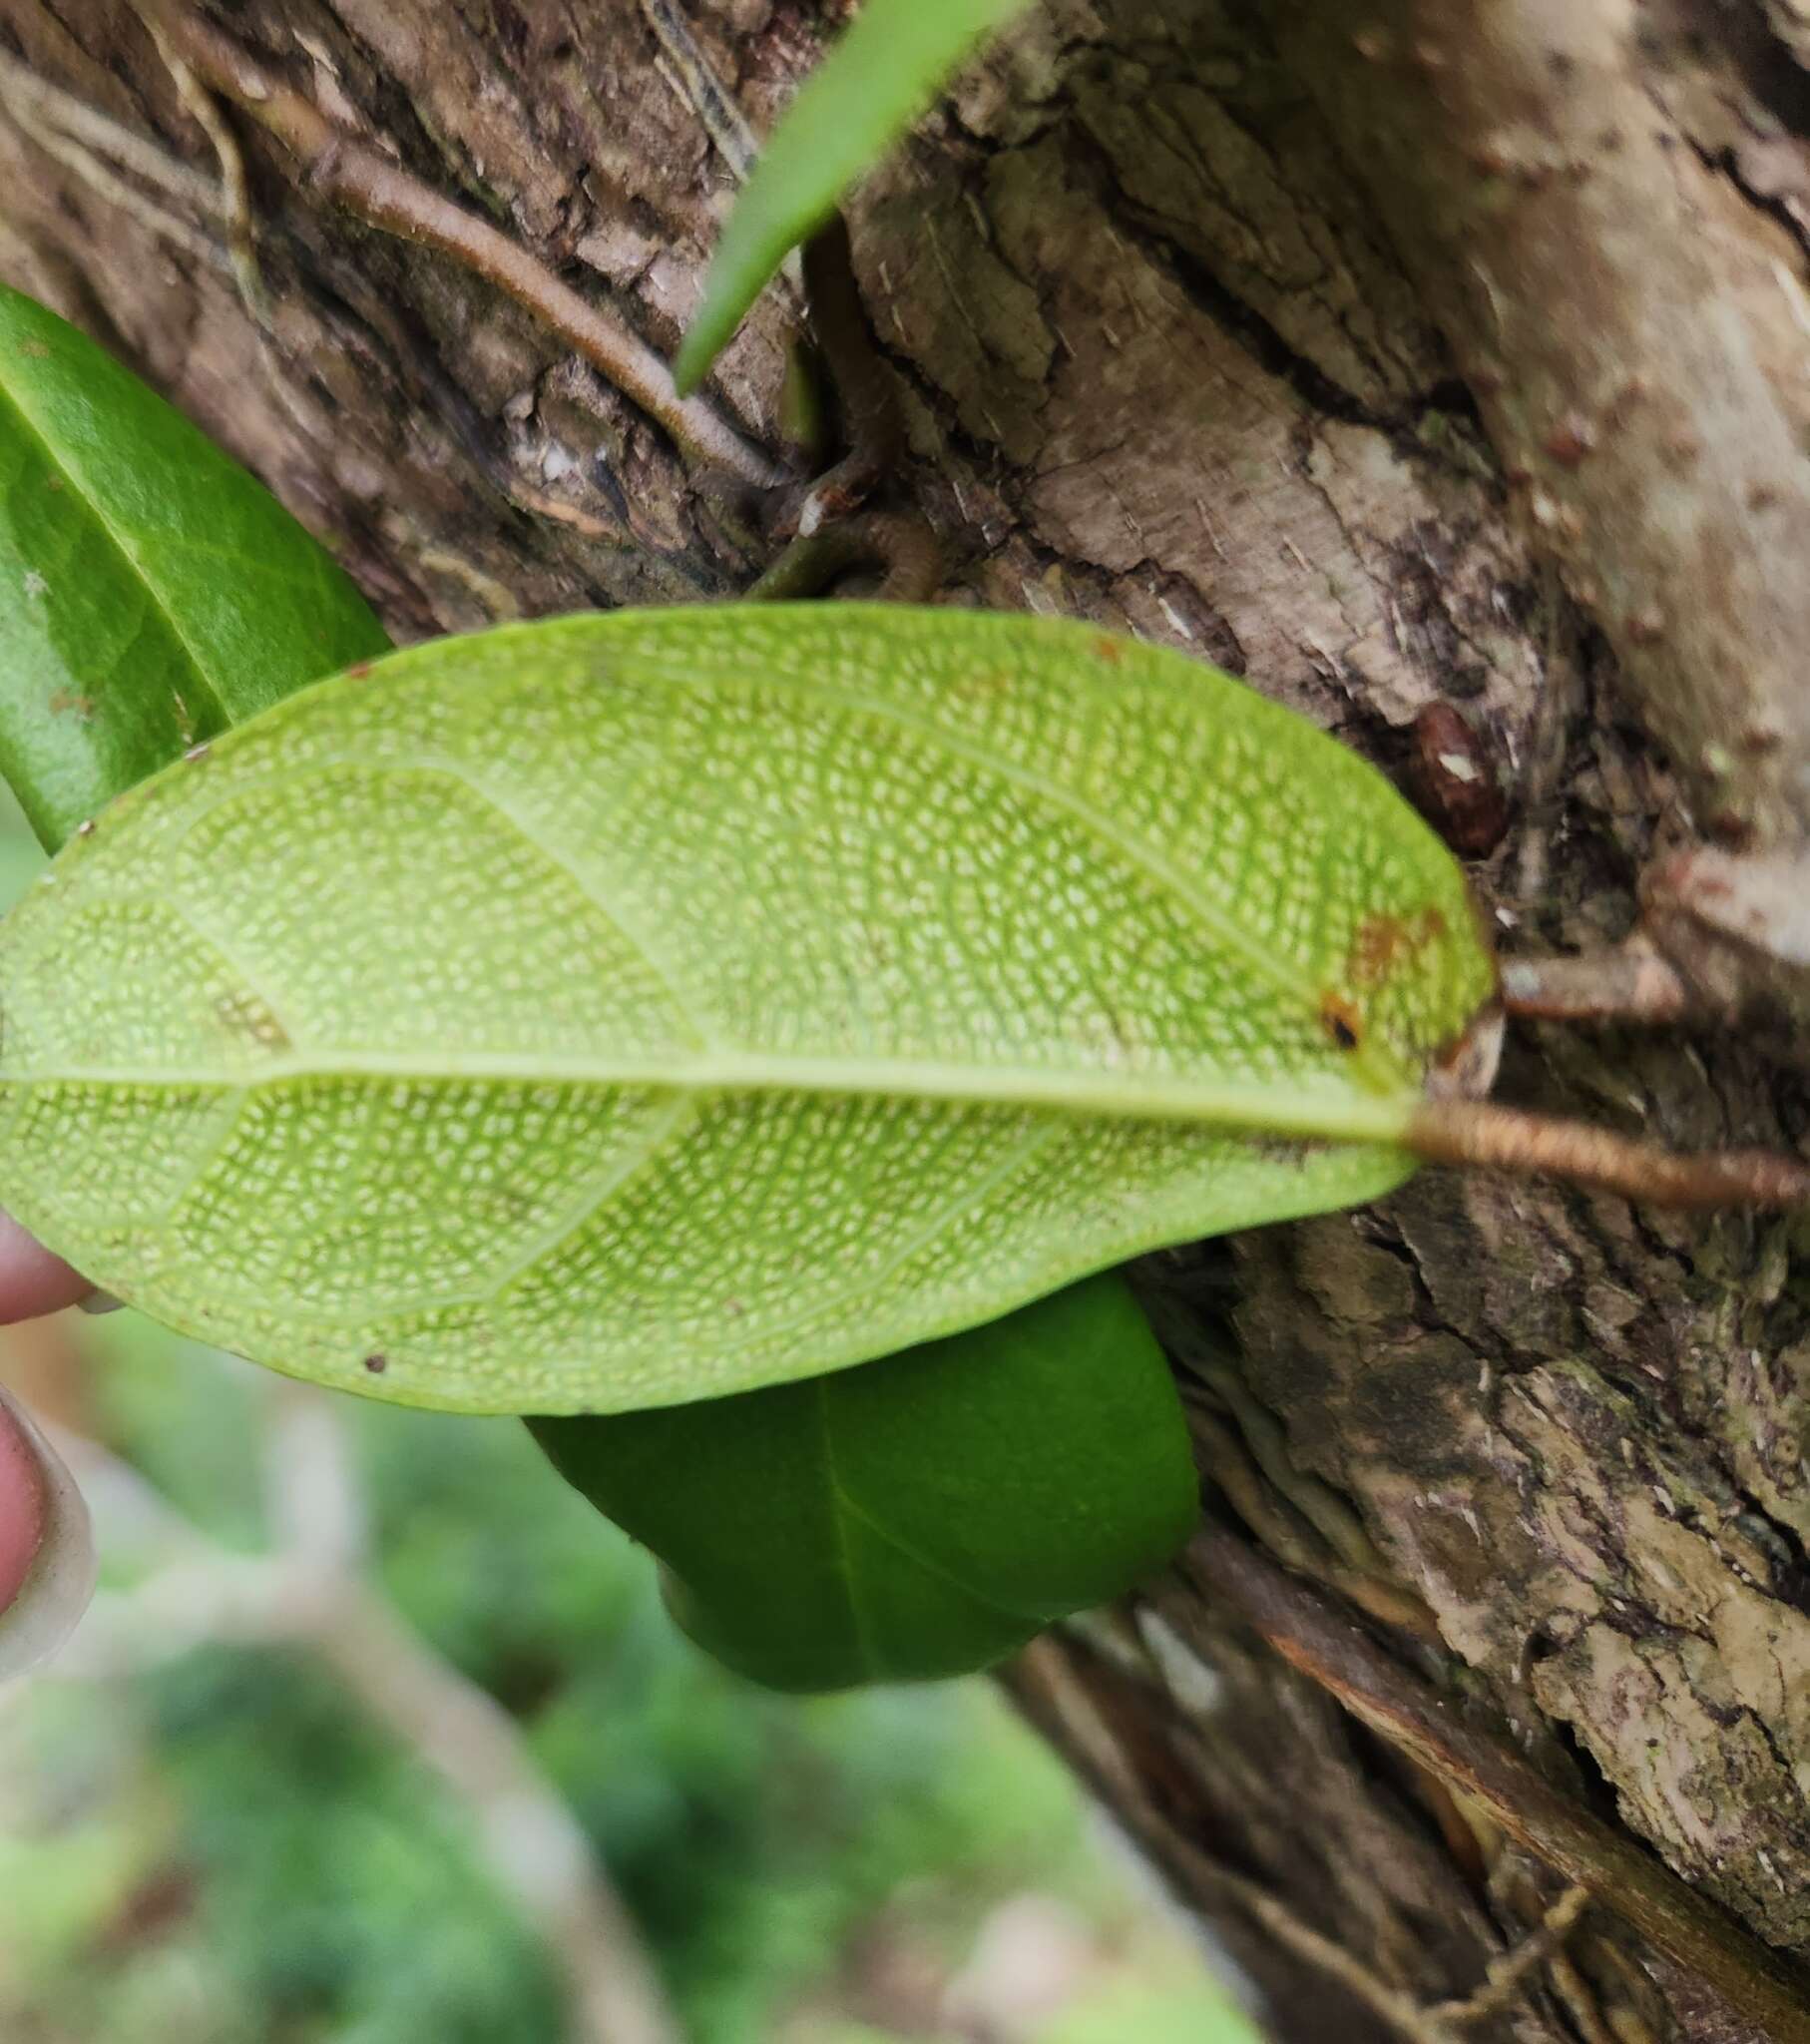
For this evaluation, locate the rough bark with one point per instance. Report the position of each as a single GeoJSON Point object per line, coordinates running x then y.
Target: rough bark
{"type": "Point", "coordinates": [1406, 358]}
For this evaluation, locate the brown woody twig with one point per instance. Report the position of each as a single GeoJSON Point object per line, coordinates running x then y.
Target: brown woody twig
{"type": "Point", "coordinates": [1481, 1135]}
{"type": "Point", "coordinates": [1758, 1984]}
{"type": "Point", "coordinates": [367, 184]}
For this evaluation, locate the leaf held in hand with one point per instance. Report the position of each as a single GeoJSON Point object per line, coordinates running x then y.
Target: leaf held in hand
{"type": "Point", "coordinates": [920, 1517]}
{"type": "Point", "coordinates": [151, 593]}
{"type": "Point", "coordinates": [622, 1010]}
{"type": "Point", "coordinates": [883, 73]}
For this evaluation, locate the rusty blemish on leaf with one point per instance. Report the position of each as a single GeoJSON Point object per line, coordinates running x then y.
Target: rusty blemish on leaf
{"type": "Point", "coordinates": [1341, 1021]}
{"type": "Point", "coordinates": [68, 703]}
{"type": "Point", "coordinates": [1384, 942]}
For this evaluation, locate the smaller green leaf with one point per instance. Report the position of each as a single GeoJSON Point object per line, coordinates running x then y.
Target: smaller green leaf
{"type": "Point", "coordinates": [920, 1516]}
{"type": "Point", "coordinates": [865, 94]}
{"type": "Point", "coordinates": [151, 593]}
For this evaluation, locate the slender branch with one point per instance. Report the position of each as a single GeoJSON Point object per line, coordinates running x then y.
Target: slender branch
{"type": "Point", "coordinates": [310, 1595]}
{"type": "Point", "coordinates": [235, 191]}
{"type": "Point", "coordinates": [830, 534]}
{"type": "Point", "coordinates": [1581, 2003]}
{"type": "Point", "coordinates": [903, 547]}
{"type": "Point", "coordinates": [21, 88]}
{"type": "Point", "coordinates": [536, 1849]}
{"type": "Point", "coordinates": [1278, 1512]}
{"type": "Point", "coordinates": [1629, 983]}
{"type": "Point", "coordinates": [47, 116]}
{"type": "Point", "coordinates": [695, 79]}
{"type": "Point", "coordinates": [356, 177]}
{"type": "Point", "coordinates": [1413, 2022]}
{"type": "Point", "coordinates": [1480, 1134]}
{"type": "Point", "coordinates": [705, 91]}
{"type": "Point", "coordinates": [1508, 1977]}
{"type": "Point", "coordinates": [873, 427]}
{"type": "Point", "coordinates": [1097, 1716]}
{"type": "Point", "coordinates": [1322, 1644]}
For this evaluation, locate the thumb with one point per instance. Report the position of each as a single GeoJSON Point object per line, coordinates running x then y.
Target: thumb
{"type": "Point", "coordinates": [47, 1558]}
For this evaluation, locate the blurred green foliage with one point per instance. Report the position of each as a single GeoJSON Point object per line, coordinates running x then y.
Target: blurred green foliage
{"type": "Point", "coordinates": [221, 1844]}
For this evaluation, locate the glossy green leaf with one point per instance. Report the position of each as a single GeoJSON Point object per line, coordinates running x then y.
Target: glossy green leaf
{"type": "Point", "coordinates": [151, 593]}
{"type": "Point", "coordinates": [919, 1517]}
{"type": "Point", "coordinates": [884, 72]}
{"type": "Point", "coordinates": [622, 1010]}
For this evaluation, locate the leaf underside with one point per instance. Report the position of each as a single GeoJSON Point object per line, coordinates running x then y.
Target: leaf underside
{"type": "Point", "coordinates": [631, 1009]}
{"type": "Point", "coordinates": [151, 593]}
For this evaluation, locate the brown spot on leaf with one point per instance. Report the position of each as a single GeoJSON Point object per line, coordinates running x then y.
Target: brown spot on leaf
{"type": "Point", "coordinates": [1109, 650]}
{"type": "Point", "coordinates": [376, 1364]}
{"type": "Point", "coordinates": [67, 703]}
{"type": "Point", "coordinates": [1383, 942]}
{"type": "Point", "coordinates": [1341, 1021]}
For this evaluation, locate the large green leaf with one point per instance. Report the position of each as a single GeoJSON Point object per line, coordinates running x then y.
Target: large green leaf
{"type": "Point", "coordinates": [920, 1517]}
{"type": "Point", "coordinates": [150, 591]}
{"type": "Point", "coordinates": [1047, 1448]}
{"type": "Point", "coordinates": [866, 92]}
{"type": "Point", "coordinates": [622, 1010]}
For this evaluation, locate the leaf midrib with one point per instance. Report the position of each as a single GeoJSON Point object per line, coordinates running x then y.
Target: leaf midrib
{"type": "Point", "coordinates": [866, 1646]}
{"type": "Point", "coordinates": [1283, 1108]}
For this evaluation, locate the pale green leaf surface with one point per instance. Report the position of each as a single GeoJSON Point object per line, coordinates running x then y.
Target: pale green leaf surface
{"type": "Point", "coordinates": [882, 74]}
{"type": "Point", "coordinates": [622, 1010]}
{"type": "Point", "coordinates": [150, 591]}
{"type": "Point", "coordinates": [920, 1517]}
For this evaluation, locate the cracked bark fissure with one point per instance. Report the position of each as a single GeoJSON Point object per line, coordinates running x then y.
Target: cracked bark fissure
{"type": "Point", "coordinates": [1413, 354]}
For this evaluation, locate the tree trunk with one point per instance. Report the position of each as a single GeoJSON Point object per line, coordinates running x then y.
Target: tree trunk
{"type": "Point", "coordinates": [1410, 358]}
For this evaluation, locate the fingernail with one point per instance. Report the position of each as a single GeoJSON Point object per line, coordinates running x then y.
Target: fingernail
{"type": "Point", "coordinates": [47, 1553]}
